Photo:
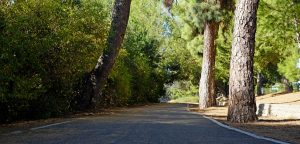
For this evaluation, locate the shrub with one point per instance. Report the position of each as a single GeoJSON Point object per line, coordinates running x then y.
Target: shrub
{"type": "Point", "coordinates": [46, 46]}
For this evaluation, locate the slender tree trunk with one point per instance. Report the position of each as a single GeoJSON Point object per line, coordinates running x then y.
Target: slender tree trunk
{"type": "Point", "coordinates": [96, 81]}
{"type": "Point", "coordinates": [259, 84]}
{"type": "Point", "coordinates": [207, 80]}
{"type": "Point", "coordinates": [242, 106]}
{"type": "Point", "coordinates": [296, 23]}
{"type": "Point", "coordinates": [287, 85]}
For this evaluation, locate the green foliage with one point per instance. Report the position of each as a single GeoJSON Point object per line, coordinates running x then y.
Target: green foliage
{"type": "Point", "coordinates": [276, 54]}
{"type": "Point", "coordinates": [223, 56]}
{"type": "Point", "coordinates": [118, 90]}
{"type": "Point", "coordinates": [195, 46]}
{"type": "Point", "coordinates": [48, 47]}
{"type": "Point", "coordinates": [177, 63]}
{"type": "Point", "coordinates": [181, 62]}
{"type": "Point", "coordinates": [142, 45]}
{"type": "Point", "coordinates": [45, 48]}
{"type": "Point", "coordinates": [198, 13]}
{"type": "Point", "coordinates": [193, 16]}
{"type": "Point", "coordinates": [288, 67]}
{"type": "Point", "coordinates": [179, 89]}
{"type": "Point", "coordinates": [135, 77]}
{"type": "Point", "coordinates": [186, 99]}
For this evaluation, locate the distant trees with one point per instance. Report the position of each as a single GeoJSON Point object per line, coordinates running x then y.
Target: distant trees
{"type": "Point", "coordinates": [290, 17]}
{"type": "Point", "coordinates": [276, 44]}
{"type": "Point", "coordinates": [242, 106]}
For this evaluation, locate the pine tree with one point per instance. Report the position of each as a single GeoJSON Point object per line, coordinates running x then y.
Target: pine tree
{"type": "Point", "coordinates": [242, 106]}
{"type": "Point", "coordinates": [205, 17]}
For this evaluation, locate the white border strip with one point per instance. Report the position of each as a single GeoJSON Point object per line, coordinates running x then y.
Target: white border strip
{"type": "Point", "coordinates": [16, 132]}
{"type": "Point", "coordinates": [244, 132]}
{"type": "Point", "coordinates": [36, 128]}
{"type": "Point", "coordinates": [45, 126]}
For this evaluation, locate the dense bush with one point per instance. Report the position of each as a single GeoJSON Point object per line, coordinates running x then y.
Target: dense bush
{"type": "Point", "coordinates": [46, 47]}
{"type": "Point", "coordinates": [134, 78]}
{"type": "Point", "coordinates": [49, 47]}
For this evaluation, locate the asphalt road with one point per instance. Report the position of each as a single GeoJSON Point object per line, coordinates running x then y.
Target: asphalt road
{"type": "Point", "coordinates": [158, 124]}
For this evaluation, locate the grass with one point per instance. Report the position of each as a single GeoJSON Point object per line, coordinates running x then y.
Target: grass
{"type": "Point", "coordinates": [188, 99]}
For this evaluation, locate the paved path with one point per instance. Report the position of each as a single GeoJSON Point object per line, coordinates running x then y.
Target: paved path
{"type": "Point", "coordinates": [158, 124]}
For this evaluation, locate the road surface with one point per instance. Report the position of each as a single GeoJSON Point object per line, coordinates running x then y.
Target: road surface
{"type": "Point", "coordinates": [158, 124]}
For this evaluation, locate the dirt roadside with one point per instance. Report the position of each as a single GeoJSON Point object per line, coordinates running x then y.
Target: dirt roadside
{"type": "Point", "coordinates": [285, 129]}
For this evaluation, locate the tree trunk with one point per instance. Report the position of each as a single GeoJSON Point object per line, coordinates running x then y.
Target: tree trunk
{"type": "Point", "coordinates": [207, 84]}
{"type": "Point", "coordinates": [296, 23]}
{"type": "Point", "coordinates": [287, 85]}
{"type": "Point", "coordinates": [259, 84]}
{"type": "Point", "coordinates": [242, 106]}
{"type": "Point", "coordinates": [207, 80]}
{"type": "Point", "coordinates": [96, 81]}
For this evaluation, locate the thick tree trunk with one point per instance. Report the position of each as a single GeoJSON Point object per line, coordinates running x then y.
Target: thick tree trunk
{"type": "Point", "coordinates": [259, 84]}
{"type": "Point", "coordinates": [242, 106]}
{"type": "Point", "coordinates": [207, 80]}
{"type": "Point", "coordinates": [96, 81]}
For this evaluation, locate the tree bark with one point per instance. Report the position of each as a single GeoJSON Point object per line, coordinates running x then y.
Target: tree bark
{"type": "Point", "coordinates": [96, 81]}
{"type": "Point", "coordinates": [207, 84]}
{"type": "Point", "coordinates": [287, 85]}
{"type": "Point", "coordinates": [207, 80]}
{"type": "Point", "coordinates": [298, 38]}
{"type": "Point", "coordinates": [242, 105]}
{"type": "Point", "coordinates": [296, 23]}
{"type": "Point", "coordinates": [259, 84]}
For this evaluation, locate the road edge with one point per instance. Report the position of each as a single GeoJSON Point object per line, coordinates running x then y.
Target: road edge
{"type": "Point", "coordinates": [243, 132]}
{"type": "Point", "coordinates": [36, 128]}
